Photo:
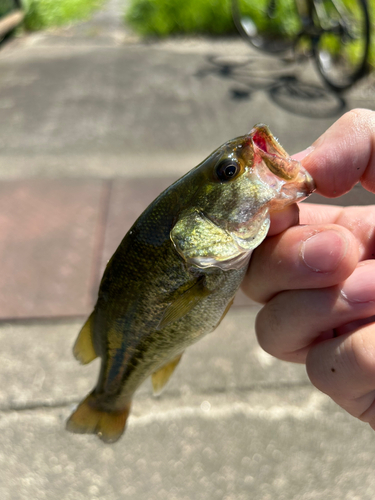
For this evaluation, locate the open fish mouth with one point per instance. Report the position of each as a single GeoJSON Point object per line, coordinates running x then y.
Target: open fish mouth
{"type": "Point", "coordinates": [297, 181]}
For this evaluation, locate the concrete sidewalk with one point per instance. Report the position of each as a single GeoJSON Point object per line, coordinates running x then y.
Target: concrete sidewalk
{"type": "Point", "coordinates": [93, 125]}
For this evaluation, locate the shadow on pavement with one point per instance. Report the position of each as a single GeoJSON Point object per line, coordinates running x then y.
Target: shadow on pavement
{"type": "Point", "coordinates": [280, 83]}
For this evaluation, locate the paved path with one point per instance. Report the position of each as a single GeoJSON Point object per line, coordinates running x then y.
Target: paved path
{"type": "Point", "coordinates": [94, 124]}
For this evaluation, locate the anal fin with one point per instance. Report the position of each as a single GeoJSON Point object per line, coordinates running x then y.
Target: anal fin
{"type": "Point", "coordinates": [108, 425]}
{"type": "Point", "coordinates": [161, 376]}
{"type": "Point", "coordinates": [83, 349]}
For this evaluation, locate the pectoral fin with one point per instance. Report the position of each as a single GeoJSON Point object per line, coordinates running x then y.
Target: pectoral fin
{"type": "Point", "coordinates": [183, 304]}
{"type": "Point", "coordinates": [161, 377]}
{"type": "Point", "coordinates": [83, 349]}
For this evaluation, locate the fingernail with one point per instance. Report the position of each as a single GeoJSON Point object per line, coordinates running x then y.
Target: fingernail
{"type": "Point", "coordinates": [324, 251]}
{"type": "Point", "coordinates": [302, 154]}
{"type": "Point", "coordinates": [360, 286]}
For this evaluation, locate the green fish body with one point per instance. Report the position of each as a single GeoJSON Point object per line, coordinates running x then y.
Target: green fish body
{"type": "Point", "coordinates": [175, 273]}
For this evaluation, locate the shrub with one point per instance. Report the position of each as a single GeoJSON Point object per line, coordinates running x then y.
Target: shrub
{"type": "Point", "coordinates": [165, 17]}
{"type": "Point", "coordinates": [41, 14]}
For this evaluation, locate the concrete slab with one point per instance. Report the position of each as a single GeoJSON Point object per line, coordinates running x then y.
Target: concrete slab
{"type": "Point", "coordinates": [289, 445]}
{"type": "Point", "coordinates": [48, 239]}
{"type": "Point", "coordinates": [44, 372]}
{"type": "Point", "coordinates": [127, 110]}
{"type": "Point", "coordinates": [37, 366]}
{"type": "Point", "coordinates": [233, 423]}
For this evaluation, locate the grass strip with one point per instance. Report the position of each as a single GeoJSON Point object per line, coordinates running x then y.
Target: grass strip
{"type": "Point", "coordinates": [42, 14]}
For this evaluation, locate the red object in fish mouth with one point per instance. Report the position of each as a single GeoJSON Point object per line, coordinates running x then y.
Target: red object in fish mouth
{"type": "Point", "coordinates": [260, 141]}
{"type": "Point", "coordinates": [269, 150]}
{"type": "Point", "coordinates": [264, 140]}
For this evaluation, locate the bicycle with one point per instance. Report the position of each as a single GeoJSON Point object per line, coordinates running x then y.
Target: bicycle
{"type": "Point", "coordinates": [337, 33]}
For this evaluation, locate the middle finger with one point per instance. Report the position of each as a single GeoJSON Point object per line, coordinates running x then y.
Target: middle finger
{"type": "Point", "coordinates": [303, 257]}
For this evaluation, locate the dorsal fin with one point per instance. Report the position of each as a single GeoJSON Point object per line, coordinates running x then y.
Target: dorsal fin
{"type": "Point", "coordinates": [83, 349]}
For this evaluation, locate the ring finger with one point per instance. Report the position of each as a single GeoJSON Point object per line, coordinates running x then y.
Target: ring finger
{"type": "Point", "coordinates": [292, 321]}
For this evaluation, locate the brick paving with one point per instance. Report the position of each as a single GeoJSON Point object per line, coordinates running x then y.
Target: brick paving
{"type": "Point", "coordinates": [56, 237]}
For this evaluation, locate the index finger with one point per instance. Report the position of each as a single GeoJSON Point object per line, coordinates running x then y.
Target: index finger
{"type": "Point", "coordinates": [344, 155]}
{"type": "Point", "coordinates": [303, 213]}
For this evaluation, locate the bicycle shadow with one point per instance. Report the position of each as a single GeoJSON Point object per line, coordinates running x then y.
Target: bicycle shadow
{"type": "Point", "coordinates": [282, 85]}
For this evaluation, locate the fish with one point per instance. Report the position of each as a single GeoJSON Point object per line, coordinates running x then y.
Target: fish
{"type": "Point", "coordinates": [174, 276]}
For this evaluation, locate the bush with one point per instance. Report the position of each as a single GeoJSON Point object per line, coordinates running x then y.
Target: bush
{"type": "Point", "coordinates": [165, 17]}
{"type": "Point", "coordinates": [41, 14]}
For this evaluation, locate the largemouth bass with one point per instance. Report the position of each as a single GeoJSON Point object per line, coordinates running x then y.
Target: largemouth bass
{"type": "Point", "coordinates": [174, 276]}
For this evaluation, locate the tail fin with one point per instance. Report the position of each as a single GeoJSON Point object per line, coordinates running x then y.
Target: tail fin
{"type": "Point", "coordinates": [108, 425]}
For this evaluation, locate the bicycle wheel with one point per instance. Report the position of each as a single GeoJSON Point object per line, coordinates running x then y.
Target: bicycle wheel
{"type": "Point", "coordinates": [264, 32]}
{"type": "Point", "coordinates": [342, 46]}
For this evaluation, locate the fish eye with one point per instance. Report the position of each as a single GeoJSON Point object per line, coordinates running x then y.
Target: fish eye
{"type": "Point", "coordinates": [227, 170]}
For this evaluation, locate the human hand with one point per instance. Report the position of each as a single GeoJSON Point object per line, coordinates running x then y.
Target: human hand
{"type": "Point", "coordinates": [317, 280]}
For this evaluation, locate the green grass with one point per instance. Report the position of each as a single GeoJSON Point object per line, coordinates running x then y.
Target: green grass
{"type": "Point", "coordinates": [42, 14]}
{"type": "Point", "coordinates": [167, 17]}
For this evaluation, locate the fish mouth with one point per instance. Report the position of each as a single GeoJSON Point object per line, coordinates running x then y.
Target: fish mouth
{"type": "Point", "coordinates": [298, 183]}
{"type": "Point", "coordinates": [263, 139]}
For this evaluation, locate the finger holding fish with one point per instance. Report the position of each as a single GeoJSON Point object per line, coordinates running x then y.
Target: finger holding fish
{"type": "Point", "coordinates": [325, 316]}
{"type": "Point", "coordinates": [302, 257]}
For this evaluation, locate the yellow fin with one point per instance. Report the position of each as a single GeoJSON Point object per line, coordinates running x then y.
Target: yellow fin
{"type": "Point", "coordinates": [229, 305]}
{"type": "Point", "coordinates": [161, 376]}
{"type": "Point", "coordinates": [108, 425]}
{"type": "Point", "coordinates": [184, 303]}
{"type": "Point", "coordinates": [83, 349]}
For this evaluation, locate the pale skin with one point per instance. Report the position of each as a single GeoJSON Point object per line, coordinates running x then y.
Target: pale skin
{"type": "Point", "coordinates": [317, 279]}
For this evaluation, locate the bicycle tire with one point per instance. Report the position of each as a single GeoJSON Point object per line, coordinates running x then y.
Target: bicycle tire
{"type": "Point", "coordinates": [339, 63]}
{"type": "Point", "coordinates": [248, 30]}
